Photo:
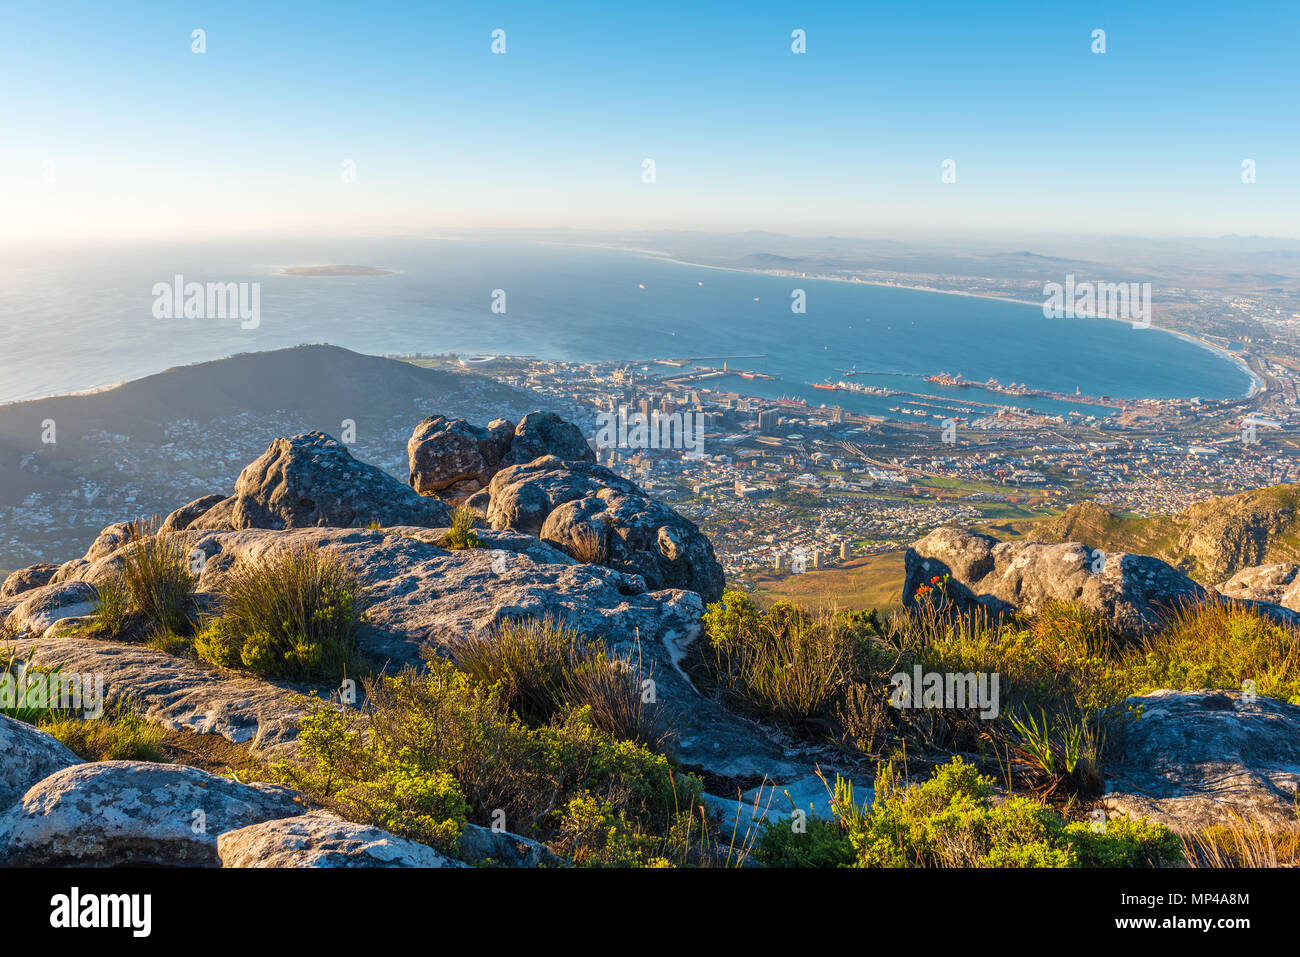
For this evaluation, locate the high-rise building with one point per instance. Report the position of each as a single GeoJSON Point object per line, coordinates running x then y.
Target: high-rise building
{"type": "Point", "coordinates": [767, 421]}
{"type": "Point", "coordinates": [846, 550]}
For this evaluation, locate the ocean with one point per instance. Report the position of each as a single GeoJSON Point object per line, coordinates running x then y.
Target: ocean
{"type": "Point", "coordinates": [85, 319]}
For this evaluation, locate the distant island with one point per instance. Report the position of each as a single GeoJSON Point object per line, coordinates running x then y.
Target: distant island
{"type": "Point", "coordinates": [335, 271]}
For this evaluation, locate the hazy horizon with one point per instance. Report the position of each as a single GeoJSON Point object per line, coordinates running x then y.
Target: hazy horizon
{"type": "Point", "coordinates": [326, 120]}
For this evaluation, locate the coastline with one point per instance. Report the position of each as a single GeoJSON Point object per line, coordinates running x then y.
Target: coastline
{"type": "Point", "coordinates": [1256, 382]}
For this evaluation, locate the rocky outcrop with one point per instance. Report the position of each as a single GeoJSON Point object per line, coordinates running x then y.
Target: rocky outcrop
{"type": "Point", "coordinates": [26, 757]}
{"type": "Point", "coordinates": [184, 516]}
{"type": "Point", "coordinates": [1210, 540]}
{"type": "Point", "coordinates": [1197, 758]}
{"type": "Point", "coordinates": [321, 839]}
{"type": "Point", "coordinates": [1277, 583]}
{"type": "Point", "coordinates": [311, 480]}
{"type": "Point", "coordinates": [545, 433]}
{"type": "Point", "coordinates": [35, 611]}
{"type": "Point", "coordinates": [583, 507]}
{"type": "Point", "coordinates": [1134, 594]}
{"type": "Point", "coordinates": [132, 813]}
{"type": "Point", "coordinates": [485, 846]}
{"type": "Point", "coordinates": [25, 579]}
{"type": "Point", "coordinates": [454, 460]}
{"type": "Point", "coordinates": [177, 692]}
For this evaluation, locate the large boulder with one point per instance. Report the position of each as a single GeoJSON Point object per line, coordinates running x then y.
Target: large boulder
{"type": "Point", "coordinates": [1134, 594]}
{"type": "Point", "coordinates": [599, 516]}
{"type": "Point", "coordinates": [545, 433]}
{"type": "Point", "coordinates": [134, 813]}
{"type": "Point", "coordinates": [1277, 583]}
{"type": "Point", "coordinates": [36, 611]}
{"type": "Point", "coordinates": [1194, 759]}
{"type": "Point", "coordinates": [454, 459]}
{"type": "Point", "coordinates": [312, 480]}
{"type": "Point", "coordinates": [27, 756]}
{"type": "Point", "coordinates": [184, 516]}
{"type": "Point", "coordinates": [25, 579]}
{"type": "Point", "coordinates": [321, 839]}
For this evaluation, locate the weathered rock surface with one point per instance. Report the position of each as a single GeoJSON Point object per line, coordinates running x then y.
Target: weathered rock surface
{"type": "Point", "coordinates": [25, 579]}
{"type": "Point", "coordinates": [321, 839]}
{"type": "Point", "coordinates": [28, 755]}
{"type": "Point", "coordinates": [482, 845]}
{"type": "Point", "coordinates": [545, 433]}
{"type": "Point", "coordinates": [37, 610]}
{"type": "Point", "coordinates": [456, 460]}
{"type": "Point", "coordinates": [1195, 758]}
{"type": "Point", "coordinates": [184, 516]}
{"type": "Point", "coordinates": [423, 595]}
{"type": "Point", "coordinates": [446, 454]}
{"type": "Point", "coordinates": [563, 501]}
{"type": "Point", "coordinates": [1277, 583]}
{"type": "Point", "coordinates": [133, 813]}
{"type": "Point", "coordinates": [177, 692]}
{"type": "Point", "coordinates": [311, 480]}
{"type": "Point", "coordinates": [1133, 593]}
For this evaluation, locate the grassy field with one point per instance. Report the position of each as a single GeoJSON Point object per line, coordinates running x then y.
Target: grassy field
{"type": "Point", "coordinates": [874, 581]}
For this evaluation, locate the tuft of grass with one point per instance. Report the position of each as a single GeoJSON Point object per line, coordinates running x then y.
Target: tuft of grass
{"type": "Point", "coordinates": [461, 533]}
{"type": "Point", "coordinates": [119, 736]}
{"type": "Point", "coordinates": [153, 585]}
{"type": "Point", "coordinates": [1241, 843]}
{"type": "Point", "coordinates": [24, 694]}
{"type": "Point", "coordinates": [292, 615]}
{"type": "Point", "coordinates": [547, 669]}
{"type": "Point", "coordinates": [587, 546]}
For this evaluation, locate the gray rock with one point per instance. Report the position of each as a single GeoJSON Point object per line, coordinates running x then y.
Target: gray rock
{"type": "Point", "coordinates": [25, 579]}
{"type": "Point", "coordinates": [177, 692]}
{"type": "Point", "coordinates": [312, 480]}
{"type": "Point", "coordinates": [184, 516]}
{"type": "Point", "coordinates": [482, 845]}
{"type": "Point", "coordinates": [1196, 758]}
{"type": "Point", "coordinates": [1278, 584]}
{"type": "Point", "coordinates": [321, 839]}
{"type": "Point", "coordinates": [35, 611]}
{"type": "Point", "coordinates": [133, 813]}
{"type": "Point", "coordinates": [451, 456]}
{"type": "Point", "coordinates": [559, 500]}
{"type": "Point", "coordinates": [545, 433]}
{"type": "Point", "coordinates": [27, 756]}
{"type": "Point", "coordinates": [1135, 594]}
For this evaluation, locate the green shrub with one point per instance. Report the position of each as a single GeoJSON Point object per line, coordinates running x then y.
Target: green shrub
{"type": "Point", "coordinates": [950, 821]}
{"type": "Point", "coordinates": [821, 843]}
{"type": "Point", "coordinates": [294, 615]}
{"type": "Point", "coordinates": [442, 722]}
{"type": "Point", "coordinates": [785, 663]}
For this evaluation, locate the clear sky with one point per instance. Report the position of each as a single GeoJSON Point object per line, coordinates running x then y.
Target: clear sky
{"type": "Point", "coordinates": [110, 126]}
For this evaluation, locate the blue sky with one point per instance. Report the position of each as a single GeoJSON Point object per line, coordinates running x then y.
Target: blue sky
{"type": "Point", "coordinates": [112, 127]}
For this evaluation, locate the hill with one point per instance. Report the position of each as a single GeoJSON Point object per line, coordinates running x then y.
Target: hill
{"type": "Point", "coordinates": [147, 446]}
{"type": "Point", "coordinates": [1209, 541]}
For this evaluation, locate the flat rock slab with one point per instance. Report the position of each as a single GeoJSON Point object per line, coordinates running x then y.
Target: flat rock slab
{"type": "Point", "coordinates": [177, 692]}
{"type": "Point", "coordinates": [321, 839]}
{"type": "Point", "coordinates": [1197, 758]}
{"type": "Point", "coordinates": [134, 813]}
{"type": "Point", "coordinates": [27, 755]}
